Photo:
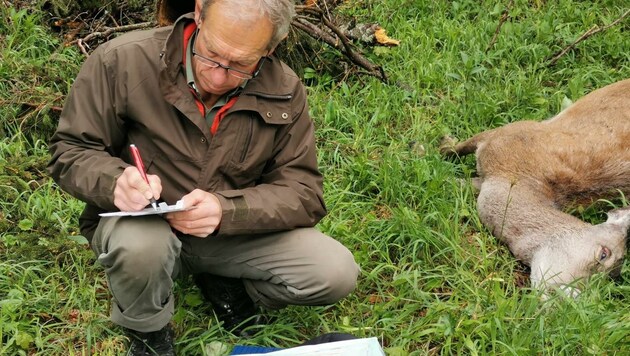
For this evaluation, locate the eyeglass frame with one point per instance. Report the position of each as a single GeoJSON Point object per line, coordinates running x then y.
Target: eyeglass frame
{"type": "Point", "coordinates": [211, 63]}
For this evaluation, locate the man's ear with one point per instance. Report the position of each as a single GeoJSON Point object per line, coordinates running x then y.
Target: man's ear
{"type": "Point", "coordinates": [273, 49]}
{"type": "Point", "coordinates": [198, 5]}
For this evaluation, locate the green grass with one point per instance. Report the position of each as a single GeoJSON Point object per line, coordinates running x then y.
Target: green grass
{"type": "Point", "coordinates": [433, 281]}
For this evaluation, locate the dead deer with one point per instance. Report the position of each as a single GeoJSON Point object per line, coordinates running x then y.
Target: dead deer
{"type": "Point", "coordinates": [529, 172]}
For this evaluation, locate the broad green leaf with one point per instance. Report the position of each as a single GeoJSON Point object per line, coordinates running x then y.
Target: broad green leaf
{"type": "Point", "coordinates": [25, 224]}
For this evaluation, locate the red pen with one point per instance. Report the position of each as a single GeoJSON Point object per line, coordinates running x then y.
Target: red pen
{"type": "Point", "coordinates": [137, 159]}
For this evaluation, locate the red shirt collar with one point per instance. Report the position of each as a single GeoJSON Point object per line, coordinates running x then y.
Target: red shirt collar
{"type": "Point", "coordinates": [188, 32]}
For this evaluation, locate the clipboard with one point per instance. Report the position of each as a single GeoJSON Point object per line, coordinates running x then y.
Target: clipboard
{"type": "Point", "coordinates": [162, 208]}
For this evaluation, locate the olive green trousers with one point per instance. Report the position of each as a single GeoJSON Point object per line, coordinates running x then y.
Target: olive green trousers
{"type": "Point", "coordinates": [142, 257]}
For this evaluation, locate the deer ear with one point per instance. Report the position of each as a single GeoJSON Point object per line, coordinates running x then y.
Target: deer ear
{"type": "Point", "coordinates": [620, 217]}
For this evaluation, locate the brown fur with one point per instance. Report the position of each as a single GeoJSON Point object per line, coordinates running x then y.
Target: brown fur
{"type": "Point", "coordinates": [530, 171]}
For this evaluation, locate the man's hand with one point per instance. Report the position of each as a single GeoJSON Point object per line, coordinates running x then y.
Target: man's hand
{"type": "Point", "coordinates": [132, 193]}
{"type": "Point", "coordinates": [201, 221]}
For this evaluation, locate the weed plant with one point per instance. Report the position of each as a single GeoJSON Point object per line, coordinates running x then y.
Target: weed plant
{"type": "Point", "coordinates": [433, 281]}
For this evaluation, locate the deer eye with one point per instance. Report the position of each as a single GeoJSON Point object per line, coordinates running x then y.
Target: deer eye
{"type": "Point", "coordinates": [604, 253]}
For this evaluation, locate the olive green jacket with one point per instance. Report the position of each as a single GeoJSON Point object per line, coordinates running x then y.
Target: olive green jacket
{"type": "Point", "coordinates": [261, 163]}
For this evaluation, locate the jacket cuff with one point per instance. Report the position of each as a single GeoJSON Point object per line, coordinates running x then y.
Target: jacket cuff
{"type": "Point", "coordinates": [235, 211]}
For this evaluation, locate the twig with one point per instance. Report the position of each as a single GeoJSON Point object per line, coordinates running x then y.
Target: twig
{"type": "Point", "coordinates": [82, 48]}
{"type": "Point", "coordinates": [35, 106]}
{"type": "Point", "coordinates": [504, 16]}
{"type": "Point", "coordinates": [315, 32]}
{"type": "Point", "coordinates": [36, 109]}
{"type": "Point", "coordinates": [339, 41]}
{"type": "Point", "coordinates": [39, 107]}
{"type": "Point", "coordinates": [595, 29]}
{"type": "Point", "coordinates": [354, 57]}
{"type": "Point", "coordinates": [107, 32]}
{"type": "Point", "coordinates": [112, 19]}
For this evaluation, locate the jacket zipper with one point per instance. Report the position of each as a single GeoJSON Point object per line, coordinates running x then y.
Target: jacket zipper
{"type": "Point", "coordinates": [248, 140]}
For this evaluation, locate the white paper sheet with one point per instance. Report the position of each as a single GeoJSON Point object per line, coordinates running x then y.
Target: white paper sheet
{"type": "Point", "coordinates": [163, 208]}
{"type": "Point", "coordinates": [356, 347]}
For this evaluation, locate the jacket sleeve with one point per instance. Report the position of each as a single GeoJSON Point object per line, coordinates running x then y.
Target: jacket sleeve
{"type": "Point", "coordinates": [88, 137]}
{"type": "Point", "coordinates": [289, 193]}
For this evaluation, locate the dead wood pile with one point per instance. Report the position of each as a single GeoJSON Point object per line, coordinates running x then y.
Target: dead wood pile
{"type": "Point", "coordinates": [317, 32]}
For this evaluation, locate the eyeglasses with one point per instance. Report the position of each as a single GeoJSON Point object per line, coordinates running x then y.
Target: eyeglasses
{"type": "Point", "coordinates": [211, 63]}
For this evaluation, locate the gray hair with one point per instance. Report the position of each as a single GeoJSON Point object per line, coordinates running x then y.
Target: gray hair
{"type": "Point", "coordinates": [279, 12]}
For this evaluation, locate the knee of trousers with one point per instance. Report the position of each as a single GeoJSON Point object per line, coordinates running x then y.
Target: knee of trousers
{"type": "Point", "coordinates": [333, 275]}
{"type": "Point", "coordinates": [338, 278]}
{"type": "Point", "coordinates": [140, 247]}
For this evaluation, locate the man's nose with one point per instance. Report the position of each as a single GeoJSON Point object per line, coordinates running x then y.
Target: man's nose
{"type": "Point", "coordinates": [219, 74]}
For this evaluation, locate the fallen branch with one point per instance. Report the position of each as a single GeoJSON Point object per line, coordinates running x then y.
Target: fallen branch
{"type": "Point", "coordinates": [106, 32]}
{"type": "Point", "coordinates": [338, 40]}
{"type": "Point", "coordinates": [504, 16]}
{"type": "Point", "coordinates": [41, 106]}
{"type": "Point", "coordinates": [595, 29]}
{"type": "Point", "coordinates": [35, 106]}
{"type": "Point", "coordinates": [355, 57]}
{"type": "Point", "coordinates": [314, 20]}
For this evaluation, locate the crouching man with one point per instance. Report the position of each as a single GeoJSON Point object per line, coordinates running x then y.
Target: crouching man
{"type": "Point", "coordinates": [223, 125]}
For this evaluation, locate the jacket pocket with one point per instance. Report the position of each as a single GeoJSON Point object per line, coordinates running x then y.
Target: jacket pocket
{"type": "Point", "coordinates": [251, 147]}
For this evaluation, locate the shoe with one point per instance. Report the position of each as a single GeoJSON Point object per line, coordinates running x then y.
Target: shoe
{"type": "Point", "coordinates": [156, 343]}
{"type": "Point", "coordinates": [230, 302]}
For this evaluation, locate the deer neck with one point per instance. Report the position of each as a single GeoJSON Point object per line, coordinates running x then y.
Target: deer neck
{"type": "Point", "coordinates": [522, 215]}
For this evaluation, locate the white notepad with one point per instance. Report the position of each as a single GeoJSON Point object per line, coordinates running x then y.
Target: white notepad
{"type": "Point", "coordinates": [355, 347]}
{"type": "Point", "coordinates": [162, 208]}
